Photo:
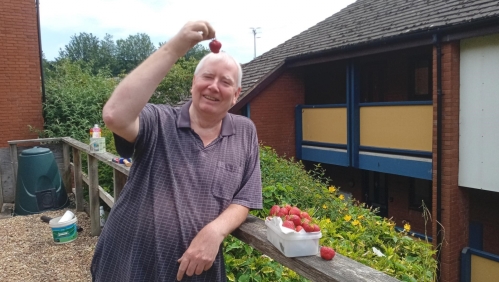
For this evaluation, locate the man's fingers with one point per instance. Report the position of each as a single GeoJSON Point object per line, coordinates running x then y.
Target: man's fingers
{"type": "Point", "coordinates": [199, 269]}
{"type": "Point", "coordinates": [181, 269]}
{"type": "Point", "coordinates": [191, 269]}
{"type": "Point", "coordinates": [208, 266]}
{"type": "Point", "coordinates": [204, 29]}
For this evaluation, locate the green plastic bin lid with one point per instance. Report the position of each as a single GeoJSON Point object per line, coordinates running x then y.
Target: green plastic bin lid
{"type": "Point", "coordinates": [35, 151]}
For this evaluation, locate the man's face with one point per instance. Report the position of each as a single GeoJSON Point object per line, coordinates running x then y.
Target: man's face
{"type": "Point", "coordinates": [214, 88]}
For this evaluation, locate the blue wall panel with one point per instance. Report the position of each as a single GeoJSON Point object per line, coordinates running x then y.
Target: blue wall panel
{"type": "Point", "coordinates": [325, 156]}
{"type": "Point", "coordinates": [405, 167]}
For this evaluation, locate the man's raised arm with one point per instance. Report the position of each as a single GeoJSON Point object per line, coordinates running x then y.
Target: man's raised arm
{"type": "Point", "coordinates": [121, 112]}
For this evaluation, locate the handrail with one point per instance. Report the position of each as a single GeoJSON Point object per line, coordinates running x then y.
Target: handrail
{"type": "Point", "coordinates": [252, 231]}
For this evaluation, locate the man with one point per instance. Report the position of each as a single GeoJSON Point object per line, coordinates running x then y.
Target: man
{"type": "Point", "coordinates": [195, 176]}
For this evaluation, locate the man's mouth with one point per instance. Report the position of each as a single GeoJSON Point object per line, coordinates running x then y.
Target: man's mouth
{"type": "Point", "coordinates": [210, 98]}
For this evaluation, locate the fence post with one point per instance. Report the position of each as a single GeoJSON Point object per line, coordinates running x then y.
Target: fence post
{"type": "Point", "coordinates": [66, 174]}
{"type": "Point", "coordinates": [78, 180]}
{"type": "Point", "coordinates": [93, 187]}
{"type": "Point", "coordinates": [119, 182]}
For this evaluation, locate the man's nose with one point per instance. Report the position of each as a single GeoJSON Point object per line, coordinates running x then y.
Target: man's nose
{"type": "Point", "coordinates": [214, 85]}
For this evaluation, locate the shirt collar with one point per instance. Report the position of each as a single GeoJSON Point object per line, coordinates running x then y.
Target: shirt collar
{"type": "Point", "coordinates": [184, 120]}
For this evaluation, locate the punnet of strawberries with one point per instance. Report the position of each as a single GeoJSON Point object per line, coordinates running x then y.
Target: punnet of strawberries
{"type": "Point", "coordinates": [293, 218]}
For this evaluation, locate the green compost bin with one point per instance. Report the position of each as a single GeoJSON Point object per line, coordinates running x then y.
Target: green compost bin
{"type": "Point", "coordinates": [39, 185]}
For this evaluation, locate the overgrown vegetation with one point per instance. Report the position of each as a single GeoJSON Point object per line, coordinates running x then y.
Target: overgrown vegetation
{"type": "Point", "coordinates": [348, 226]}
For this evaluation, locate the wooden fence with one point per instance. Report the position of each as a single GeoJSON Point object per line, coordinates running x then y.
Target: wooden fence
{"type": "Point", "coordinates": [252, 231]}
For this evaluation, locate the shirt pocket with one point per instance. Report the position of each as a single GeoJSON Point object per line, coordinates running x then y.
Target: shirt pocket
{"type": "Point", "coordinates": [228, 177]}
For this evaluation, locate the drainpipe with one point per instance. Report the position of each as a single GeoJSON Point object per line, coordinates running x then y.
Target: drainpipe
{"type": "Point", "coordinates": [437, 43]}
{"type": "Point", "coordinates": [37, 4]}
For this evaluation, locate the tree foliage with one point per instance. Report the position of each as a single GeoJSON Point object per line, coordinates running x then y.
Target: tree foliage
{"type": "Point", "coordinates": [89, 49]}
{"type": "Point", "coordinates": [130, 52]}
{"type": "Point", "coordinates": [74, 98]}
{"type": "Point", "coordinates": [176, 86]}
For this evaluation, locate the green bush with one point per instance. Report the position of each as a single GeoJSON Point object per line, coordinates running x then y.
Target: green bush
{"type": "Point", "coordinates": [74, 99]}
{"type": "Point", "coordinates": [348, 226]}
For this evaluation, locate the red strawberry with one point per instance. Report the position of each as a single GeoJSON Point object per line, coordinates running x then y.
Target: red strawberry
{"type": "Point", "coordinates": [282, 212]}
{"type": "Point", "coordinates": [305, 215]}
{"type": "Point", "coordinates": [215, 46]}
{"type": "Point", "coordinates": [299, 228]}
{"type": "Point", "coordinates": [288, 224]}
{"type": "Point", "coordinates": [274, 210]}
{"type": "Point", "coordinates": [295, 219]}
{"type": "Point", "coordinates": [288, 206]}
{"type": "Point", "coordinates": [316, 228]}
{"type": "Point", "coordinates": [295, 211]}
{"type": "Point", "coordinates": [327, 253]}
{"type": "Point", "coordinates": [308, 227]}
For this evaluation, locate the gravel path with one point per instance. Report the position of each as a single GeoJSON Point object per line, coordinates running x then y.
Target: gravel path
{"type": "Point", "coordinates": [28, 252]}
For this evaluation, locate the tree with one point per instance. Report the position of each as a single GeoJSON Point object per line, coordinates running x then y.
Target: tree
{"type": "Point", "coordinates": [176, 86]}
{"type": "Point", "coordinates": [88, 49]}
{"type": "Point", "coordinates": [74, 99]}
{"type": "Point", "coordinates": [133, 50]}
{"type": "Point", "coordinates": [84, 47]}
{"type": "Point", "coordinates": [197, 52]}
{"type": "Point", "coordinates": [107, 54]}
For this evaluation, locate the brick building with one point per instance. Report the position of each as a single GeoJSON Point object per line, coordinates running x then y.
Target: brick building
{"type": "Point", "coordinates": [397, 100]}
{"type": "Point", "coordinates": [20, 82]}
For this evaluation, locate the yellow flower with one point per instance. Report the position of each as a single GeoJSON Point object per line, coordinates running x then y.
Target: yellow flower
{"type": "Point", "coordinates": [407, 227]}
{"type": "Point", "coordinates": [332, 189]}
{"type": "Point", "coordinates": [328, 220]}
{"type": "Point", "coordinates": [347, 217]}
{"type": "Point", "coordinates": [355, 222]}
{"type": "Point", "coordinates": [324, 207]}
{"type": "Point", "coordinates": [341, 197]}
{"type": "Point", "coordinates": [360, 217]}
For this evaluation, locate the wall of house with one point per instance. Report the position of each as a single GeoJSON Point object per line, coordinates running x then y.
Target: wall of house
{"type": "Point", "coordinates": [20, 84]}
{"type": "Point", "coordinates": [455, 200]}
{"type": "Point", "coordinates": [273, 112]}
{"type": "Point", "coordinates": [478, 115]}
{"type": "Point", "coordinates": [20, 80]}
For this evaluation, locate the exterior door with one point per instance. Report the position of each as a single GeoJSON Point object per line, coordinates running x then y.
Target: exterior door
{"type": "Point", "coordinates": [376, 192]}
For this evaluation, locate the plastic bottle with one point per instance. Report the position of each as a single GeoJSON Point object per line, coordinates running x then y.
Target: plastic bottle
{"type": "Point", "coordinates": [102, 216]}
{"type": "Point", "coordinates": [95, 132]}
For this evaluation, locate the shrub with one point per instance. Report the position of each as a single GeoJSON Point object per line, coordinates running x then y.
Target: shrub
{"type": "Point", "coordinates": [348, 226]}
{"type": "Point", "coordinates": [74, 100]}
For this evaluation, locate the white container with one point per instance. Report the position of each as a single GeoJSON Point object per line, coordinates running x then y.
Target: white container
{"type": "Point", "coordinates": [68, 215]}
{"type": "Point", "coordinates": [102, 215]}
{"type": "Point", "coordinates": [98, 145]}
{"type": "Point", "coordinates": [292, 244]}
{"type": "Point", "coordinates": [64, 232]}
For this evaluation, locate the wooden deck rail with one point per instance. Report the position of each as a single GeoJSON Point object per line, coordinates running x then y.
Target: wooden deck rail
{"type": "Point", "coordinates": [252, 231]}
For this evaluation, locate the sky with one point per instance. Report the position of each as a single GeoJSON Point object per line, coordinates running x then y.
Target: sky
{"type": "Point", "coordinates": [274, 21]}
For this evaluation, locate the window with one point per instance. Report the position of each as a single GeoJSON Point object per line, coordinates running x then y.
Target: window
{"type": "Point", "coordinates": [421, 79]}
{"type": "Point", "coordinates": [420, 191]}
{"type": "Point", "coordinates": [372, 82]}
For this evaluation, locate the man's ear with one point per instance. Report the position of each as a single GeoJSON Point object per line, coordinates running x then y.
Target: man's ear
{"type": "Point", "coordinates": [236, 96]}
{"type": "Point", "coordinates": [192, 84]}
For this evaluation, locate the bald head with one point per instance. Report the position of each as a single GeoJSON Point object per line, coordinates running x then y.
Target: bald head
{"type": "Point", "coordinates": [222, 56]}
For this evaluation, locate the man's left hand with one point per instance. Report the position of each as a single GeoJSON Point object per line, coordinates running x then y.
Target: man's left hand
{"type": "Point", "coordinates": [201, 253]}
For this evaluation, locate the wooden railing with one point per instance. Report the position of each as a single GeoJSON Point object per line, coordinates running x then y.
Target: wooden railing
{"type": "Point", "coordinates": [252, 232]}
